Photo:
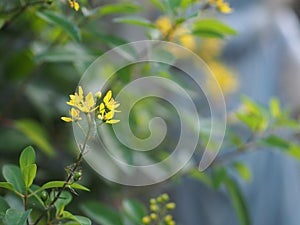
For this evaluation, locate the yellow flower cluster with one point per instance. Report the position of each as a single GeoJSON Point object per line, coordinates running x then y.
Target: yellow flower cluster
{"type": "Point", "coordinates": [211, 50]}
{"type": "Point", "coordinates": [221, 5]}
{"type": "Point", "coordinates": [159, 208]}
{"type": "Point", "coordinates": [175, 33]}
{"type": "Point", "coordinates": [74, 5]}
{"type": "Point", "coordinates": [88, 104]}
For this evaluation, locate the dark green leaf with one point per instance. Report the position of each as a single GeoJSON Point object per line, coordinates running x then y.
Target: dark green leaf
{"type": "Point", "coordinates": [212, 28]}
{"type": "Point", "coordinates": [13, 175]}
{"type": "Point", "coordinates": [27, 157]}
{"type": "Point", "coordinates": [135, 20]}
{"type": "Point", "coordinates": [219, 175]}
{"type": "Point", "coordinates": [16, 217]}
{"type": "Point", "coordinates": [36, 133]}
{"type": "Point", "coordinates": [238, 201]}
{"type": "Point", "coordinates": [62, 22]}
{"type": "Point", "coordinates": [134, 210]}
{"type": "Point", "coordinates": [3, 205]}
{"type": "Point", "coordinates": [59, 184]}
{"type": "Point", "coordinates": [101, 213]}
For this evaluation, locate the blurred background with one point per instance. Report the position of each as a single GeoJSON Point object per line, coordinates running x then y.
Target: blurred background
{"type": "Point", "coordinates": [40, 66]}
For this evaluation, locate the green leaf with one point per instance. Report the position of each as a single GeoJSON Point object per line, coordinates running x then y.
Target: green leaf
{"type": "Point", "coordinates": [64, 199]}
{"type": "Point", "coordinates": [13, 175]}
{"type": "Point", "coordinates": [238, 202]}
{"type": "Point", "coordinates": [275, 108]}
{"type": "Point", "coordinates": [59, 184]}
{"type": "Point", "coordinates": [219, 175]}
{"type": "Point", "coordinates": [16, 217]}
{"type": "Point", "coordinates": [159, 4]}
{"type": "Point", "coordinates": [201, 176]}
{"type": "Point", "coordinates": [294, 151]}
{"type": "Point", "coordinates": [36, 133]}
{"type": "Point", "coordinates": [27, 157]}
{"type": "Point", "coordinates": [243, 171]}
{"type": "Point", "coordinates": [101, 213]}
{"type": "Point", "coordinates": [173, 4]}
{"type": "Point", "coordinates": [134, 210]}
{"type": "Point", "coordinates": [119, 8]}
{"type": "Point", "coordinates": [212, 28]}
{"type": "Point", "coordinates": [80, 221]}
{"type": "Point", "coordinates": [3, 205]}
{"type": "Point", "coordinates": [29, 173]}
{"type": "Point", "coordinates": [277, 142]}
{"type": "Point", "coordinates": [7, 186]}
{"type": "Point", "coordinates": [135, 20]}
{"type": "Point", "coordinates": [62, 22]}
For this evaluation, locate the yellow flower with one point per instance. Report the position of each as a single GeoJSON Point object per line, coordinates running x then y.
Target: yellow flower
{"type": "Point", "coordinates": [170, 206]}
{"type": "Point", "coordinates": [75, 116]}
{"type": "Point", "coordinates": [221, 5]}
{"type": "Point", "coordinates": [84, 104]}
{"type": "Point", "coordinates": [74, 4]}
{"type": "Point", "coordinates": [107, 109]}
{"type": "Point", "coordinates": [164, 25]}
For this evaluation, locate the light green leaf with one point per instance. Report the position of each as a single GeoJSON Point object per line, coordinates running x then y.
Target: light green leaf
{"type": "Point", "coordinates": [59, 184]}
{"type": "Point", "coordinates": [119, 8]}
{"type": "Point", "coordinates": [277, 142]}
{"type": "Point", "coordinates": [81, 221]}
{"type": "Point", "coordinates": [243, 171]}
{"type": "Point", "coordinates": [36, 133]}
{"type": "Point", "coordinates": [212, 28]}
{"type": "Point", "coordinates": [238, 202]}
{"type": "Point", "coordinates": [64, 199]}
{"type": "Point", "coordinates": [29, 173]}
{"type": "Point", "coordinates": [7, 186]}
{"type": "Point", "coordinates": [294, 151]}
{"type": "Point", "coordinates": [134, 210]}
{"type": "Point", "coordinates": [101, 214]}
{"type": "Point", "coordinates": [275, 108]}
{"type": "Point", "coordinates": [27, 157]}
{"type": "Point", "coordinates": [159, 4]}
{"type": "Point", "coordinates": [201, 176]}
{"type": "Point", "coordinates": [135, 20]}
{"type": "Point", "coordinates": [62, 22]}
{"type": "Point", "coordinates": [16, 217]}
{"type": "Point", "coordinates": [13, 175]}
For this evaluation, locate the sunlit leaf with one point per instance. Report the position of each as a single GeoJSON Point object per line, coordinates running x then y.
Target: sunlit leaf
{"type": "Point", "coordinates": [243, 171]}
{"type": "Point", "coordinates": [27, 157]}
{"type": "Point", "coordinates": [212, 28]}
{"type": "Point", "coordinates": [59, 184]}
{"type": "Point", "coordinates": [29, 173]}
{"type": "Point", "coordinates": [119, 8]}
{"type": "Point", "coordinates": [36, 133]}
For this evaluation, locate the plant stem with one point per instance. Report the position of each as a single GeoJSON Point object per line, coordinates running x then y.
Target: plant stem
{"type": "Point", "coordinates": [71, 173]}
{"type": "Point", "coordinates": [19, 10]}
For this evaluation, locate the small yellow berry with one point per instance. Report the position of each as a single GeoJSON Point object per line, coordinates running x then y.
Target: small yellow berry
{"type": "Point", "coordinates": [165, 197]}
{"type": "Point", "coordinates": [168, 218]}
{"type": "Point", "coordinates": [159, 199]}
{"type": "Point", "coordinates": [154, 208]}
{"type": "Point", "coordinates": [98, 94]}
{"type": "Point", "coordinates": [152, 201]}
{"type": "Point", "coordinates": [172, 222]}
{"type": "Point", "coordinates": [146, 220]}
{"type": "Point", "coordinates": [170, 206]}
{"type": "Point", "coordinates": [153, 216]}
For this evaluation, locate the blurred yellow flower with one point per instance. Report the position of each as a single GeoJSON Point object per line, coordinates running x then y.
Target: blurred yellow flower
{"type": "Point", "coordinates": [221, 5]}
{"type": "Point", "coordinates": [175, 33]}
{"type": "Point", "coordinates": [74, 4]}
{"type": "Point", "coordinates": [224, 76]}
